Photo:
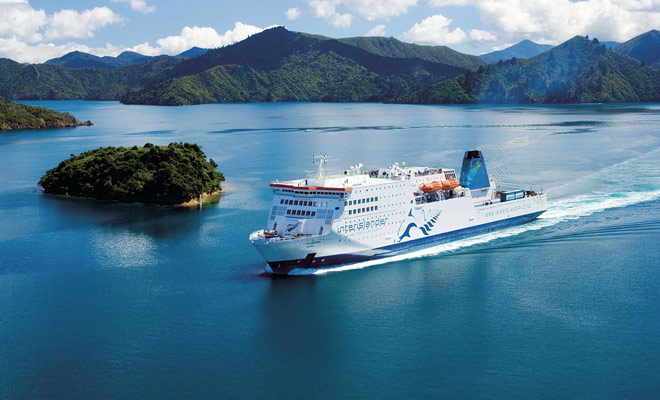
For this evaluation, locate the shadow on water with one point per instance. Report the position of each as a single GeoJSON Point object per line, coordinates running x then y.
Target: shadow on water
{"type": "Point", "coordinates": [161, 222]}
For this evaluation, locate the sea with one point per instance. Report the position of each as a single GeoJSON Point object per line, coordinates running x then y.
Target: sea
{"type": "Point", "coordinates": [101, 300]}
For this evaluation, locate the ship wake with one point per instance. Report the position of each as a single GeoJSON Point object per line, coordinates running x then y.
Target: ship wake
{"type": "Point", "coordinates": [642, 185]}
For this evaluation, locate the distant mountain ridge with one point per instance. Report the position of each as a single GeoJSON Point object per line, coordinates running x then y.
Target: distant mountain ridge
{"type": "Point", "coordinates": [645, 47]}
{"type": "Point", "coordinates": [577, 71]}
{"type": "Point", "coordinates": [611, 44]}
{"type": "Point", "coordinates": [391, 47]}
{"type": "Point", "coordinates": [192, 52]}
{"type": "Point", "coordinates": [79, 59]}
{"type": "Point", "coordinates": [281, 65]}
{"type": "Point", "coordinates": [522, 49]}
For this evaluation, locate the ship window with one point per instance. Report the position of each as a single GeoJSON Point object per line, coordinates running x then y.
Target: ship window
{"type": "Point", "coordinates": [295, 203]}
{"type": "Point", "coordinates": [376, 198]}
{"type": "Point", "coordinates": [288, 212]}
{"type": "Point", "coordinates": [307, 213]}
{"type": "Point", "coordinates": [281, 201]}
{"type": "Point", "coordinates": [298, 212]}
{"type": "Point", "coordinates": [313, 213]}
{"type": "Point", "coordinates": [376, 208]}
{"type": "Point", "coordinates": [372, 199]}
{"type": "Point", "coordinates": [350, 212]}
{"type": "Point", "coordinates": [363, 210]}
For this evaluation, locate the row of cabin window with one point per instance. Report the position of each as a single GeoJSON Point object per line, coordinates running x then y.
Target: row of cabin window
{"type": "Point", "coordinates": [361, 210]}
{"type": "Point", "coordinates": [304, 203]}
{"type": "Point", "coordinates": [301, 212]}
{"type": "Point", "coordinates": [360, 201]}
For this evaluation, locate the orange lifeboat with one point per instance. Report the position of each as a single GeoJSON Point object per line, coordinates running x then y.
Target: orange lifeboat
{"type": "Point", "coordinates": [450, 184]}
{"type": "Point", "coordinates": [427, 188]}
{"type": "Point", "coordinates": [436, 186]}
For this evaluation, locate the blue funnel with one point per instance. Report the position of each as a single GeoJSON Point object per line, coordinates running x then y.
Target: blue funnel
{"type": "Point", "coordinates": [473, 173]}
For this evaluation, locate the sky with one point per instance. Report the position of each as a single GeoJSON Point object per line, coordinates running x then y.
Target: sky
{"type": "Point", "coordinates": [37, 30]}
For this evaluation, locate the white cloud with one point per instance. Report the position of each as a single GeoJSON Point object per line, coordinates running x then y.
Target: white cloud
{"type": "Point", "coordinates": [138, 5]}
{"type": "Point", "coordinates": [323, 8]}
{"type": "Point", "coordinates": [558, 20]}
{"type": "Point", "coordinates": [341, 20]}
{"type": "Point", "coordinates": [370, 10]}
{"type": "Point", "coordinates": [379, 9]}
{"type": "Point", "coordinates": [292, 13]}
{"type": "Point", "coordinates": [435, 30]}
{"type": "Point", "coordinates": [378, 30]}
{"type": "Point", "coordinates": [479, 35]}
{"type": "Point", "coordinates": [204, 37]}
{"type": "Point", "coordinates": [445, 3]}
{"type": "Point", "coordinates": [20, 20]}
{"type": "Point", "coordinates": [74, 24]}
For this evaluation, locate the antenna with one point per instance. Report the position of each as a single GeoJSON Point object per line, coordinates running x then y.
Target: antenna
{"type": "Point", "coordinates": [320, 160]}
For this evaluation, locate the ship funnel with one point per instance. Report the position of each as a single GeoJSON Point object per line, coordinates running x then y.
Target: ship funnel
{"type": "Point", "coordinates": [473, 173]}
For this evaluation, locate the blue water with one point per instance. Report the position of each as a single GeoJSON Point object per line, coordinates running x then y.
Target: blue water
{"type": "Point", "coordinates": [124, 301]}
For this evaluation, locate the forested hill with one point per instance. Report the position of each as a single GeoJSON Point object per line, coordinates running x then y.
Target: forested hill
{"type": "Point", "coordinates": [52, 82]}
{"type": "Point", "coordinates": [645, 47]}
{"type": "Point", "coordinates": [173, 174]}
{"type": "Point", "coordinates": [391, 47]}
{"type": "Point", "coordinates": [21, 116]}
{"type": "Point", "coordinates": [280, 65]}
{"type": "Point", "coordinates": [78, 59]}
{"type": "Point", "coordinates": [577, 71]}
{"type": "Point", "coordinates": [274, 65]}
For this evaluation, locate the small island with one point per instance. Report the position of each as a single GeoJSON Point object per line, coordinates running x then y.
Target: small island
{"type": "Point", "coordinates": [21, 116]}
{"type": "Point", "coordinates": [176, 174]}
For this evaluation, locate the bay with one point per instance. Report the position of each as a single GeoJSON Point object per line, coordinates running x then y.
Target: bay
{"type": "Point", "coordinates": [103, 300]}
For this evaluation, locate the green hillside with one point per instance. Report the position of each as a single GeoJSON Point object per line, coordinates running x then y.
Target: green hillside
{"type": "Point", "coordinates": [78, 59]}
{"type": "Point", "coordinates": [391, 47]}
{"type": "Point", "coordinates": [645, 47]}
{"type": "Point", "coordinates": [52, 82]}
{"type": "Point", "coordinates": [279, 65]}
{"type": "Point", "coordinates": [20, 116]}
{"type": "Point", "coordinates": [577, 71]}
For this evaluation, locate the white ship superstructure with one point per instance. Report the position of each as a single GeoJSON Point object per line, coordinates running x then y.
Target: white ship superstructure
{"type": "Point", "coordinates": [325, 220]}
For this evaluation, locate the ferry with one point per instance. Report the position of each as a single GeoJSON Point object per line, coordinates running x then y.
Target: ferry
{"type": "Point", "coordinates": [327, 220]}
